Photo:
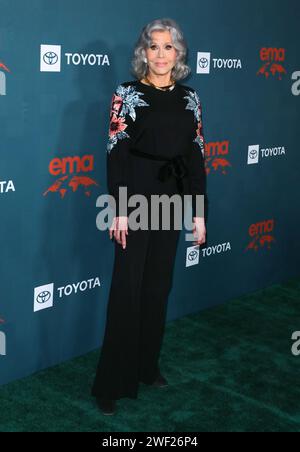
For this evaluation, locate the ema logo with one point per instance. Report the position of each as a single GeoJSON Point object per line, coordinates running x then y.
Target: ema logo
{"type": "Point", "coordinates": [216, 157]}
{"type": "Point", "coordinates": [2, 340]}
{"type": "Point", "coordinates": [3, 79]}
{"type": "Point", "coordinates": [254, 153]}
{"type": "Point", "coordinates": [272, 60]}
{"type": "Point", "coordinates": [44, 295]}
{"type": "Point", "coordinates": [204, 63]}
{"type": "Point", "coordinates": [261, 235]}
{"type": "Point", "coordinates": [50, 59]}
{"type": "Point", "coordinates": [6, 186]}
{"type": "Point", "coordinates": [66, 167]}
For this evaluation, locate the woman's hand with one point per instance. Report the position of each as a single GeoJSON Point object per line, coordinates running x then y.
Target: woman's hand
{"type": "Point", "coordinates": [119, 230]}
{"type": "Point", "coordinates": [199, 230]}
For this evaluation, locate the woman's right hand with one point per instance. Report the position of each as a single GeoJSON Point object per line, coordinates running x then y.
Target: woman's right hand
{"type": "Point", "coordinates": [119, 230]}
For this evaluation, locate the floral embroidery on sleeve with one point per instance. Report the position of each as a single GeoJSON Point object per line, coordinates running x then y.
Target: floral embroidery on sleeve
{"type": "Point", "coordinates": [194, 104]}
{"type": "Point", "coordinates": [124, 102]}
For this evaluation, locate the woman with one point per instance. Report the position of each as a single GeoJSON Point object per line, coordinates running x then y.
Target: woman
{"type": "Point", "coordinates": [155, 146]}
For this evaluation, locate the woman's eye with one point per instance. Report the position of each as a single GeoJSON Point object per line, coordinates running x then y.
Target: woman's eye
{"type": "Point", "coordinates": [153, 47]}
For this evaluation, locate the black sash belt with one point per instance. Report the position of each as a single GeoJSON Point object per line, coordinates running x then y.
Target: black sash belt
{"type": "Point", "coordinates": [175, 166]}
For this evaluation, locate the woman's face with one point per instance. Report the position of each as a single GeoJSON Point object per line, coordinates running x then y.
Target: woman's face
{"type": "Point", "coordinates": [161, 54]}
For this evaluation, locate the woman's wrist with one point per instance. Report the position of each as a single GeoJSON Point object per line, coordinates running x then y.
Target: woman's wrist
{"type": "Point", "coordinates": [199, 219]}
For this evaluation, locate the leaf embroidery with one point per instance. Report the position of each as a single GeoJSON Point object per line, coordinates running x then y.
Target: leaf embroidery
{"type": "Point", "coordinates": [195, 105]}
{"type": "Point", "coordinates": [124, 102]}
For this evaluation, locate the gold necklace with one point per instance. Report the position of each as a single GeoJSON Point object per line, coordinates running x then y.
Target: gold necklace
{"type": "Point", "coordinates": [163, 88]}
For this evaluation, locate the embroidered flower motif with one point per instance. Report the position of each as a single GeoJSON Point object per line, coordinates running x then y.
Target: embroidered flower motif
{"type": "Point", "coordinates": [116, 103]}
{"type": "Point", "coordinates": [195, 105]}
{"type": "Point", "coordinates": [117, 127]}
{"type": "Point", "coordinates": [199, 138]}
{"type": "Point", "coordinates": [124, 102]}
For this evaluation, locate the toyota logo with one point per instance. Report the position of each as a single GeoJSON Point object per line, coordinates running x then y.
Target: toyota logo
{"type": "Point", "coordinates": [253, 154]}
{"type": "Point", "coordinates": [43, 297]}
{"type": "Point", "coordinates": [203, 62]}
{"type": "Point", "coordinates": [50, 58]}
{"type": "Point", "coordinates": [192, 255]}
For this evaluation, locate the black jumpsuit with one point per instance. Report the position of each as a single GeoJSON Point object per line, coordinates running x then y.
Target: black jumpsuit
{"type": "Point", "coordinates": [155, 146]}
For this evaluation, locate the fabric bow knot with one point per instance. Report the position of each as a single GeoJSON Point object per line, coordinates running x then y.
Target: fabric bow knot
{"type": "Point", "coordinates": [174, 167]}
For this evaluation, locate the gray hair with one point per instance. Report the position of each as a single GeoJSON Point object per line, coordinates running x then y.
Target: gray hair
{"type": "Point", "coordinates": [140, 67]}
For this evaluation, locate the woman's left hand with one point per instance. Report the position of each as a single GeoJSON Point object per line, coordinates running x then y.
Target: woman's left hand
{"type": "Point", "coordinates": [199, 230]}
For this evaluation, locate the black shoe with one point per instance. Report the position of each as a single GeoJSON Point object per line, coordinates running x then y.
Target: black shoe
{"type": "Point", "coordinates": [160, 382]}
{"type": "Point", "coordinates": [107, 406]}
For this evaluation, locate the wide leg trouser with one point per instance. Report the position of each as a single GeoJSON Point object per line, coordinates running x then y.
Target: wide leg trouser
{"type": "Point", "coordinates": [136, 313]}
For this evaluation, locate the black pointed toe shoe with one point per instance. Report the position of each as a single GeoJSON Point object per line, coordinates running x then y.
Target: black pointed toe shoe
{"type": "Point", "coordinates": [107, 406]}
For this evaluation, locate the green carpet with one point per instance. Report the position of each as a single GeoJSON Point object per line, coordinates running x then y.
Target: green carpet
{"type": "Point", "coordinates": [230, 368]}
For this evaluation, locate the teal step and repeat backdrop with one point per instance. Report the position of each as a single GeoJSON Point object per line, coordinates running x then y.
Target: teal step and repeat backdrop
{"type": "Point", "coordinates": [60, 61]}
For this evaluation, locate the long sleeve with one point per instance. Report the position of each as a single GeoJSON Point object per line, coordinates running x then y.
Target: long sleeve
{"type": "Point", "coordinates": [196, 166]}
{"type": "Point", "coordinates": [119, 141]}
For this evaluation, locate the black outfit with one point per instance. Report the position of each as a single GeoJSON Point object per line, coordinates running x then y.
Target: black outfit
{"type": "Point", "coordinates": [155, 146]}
